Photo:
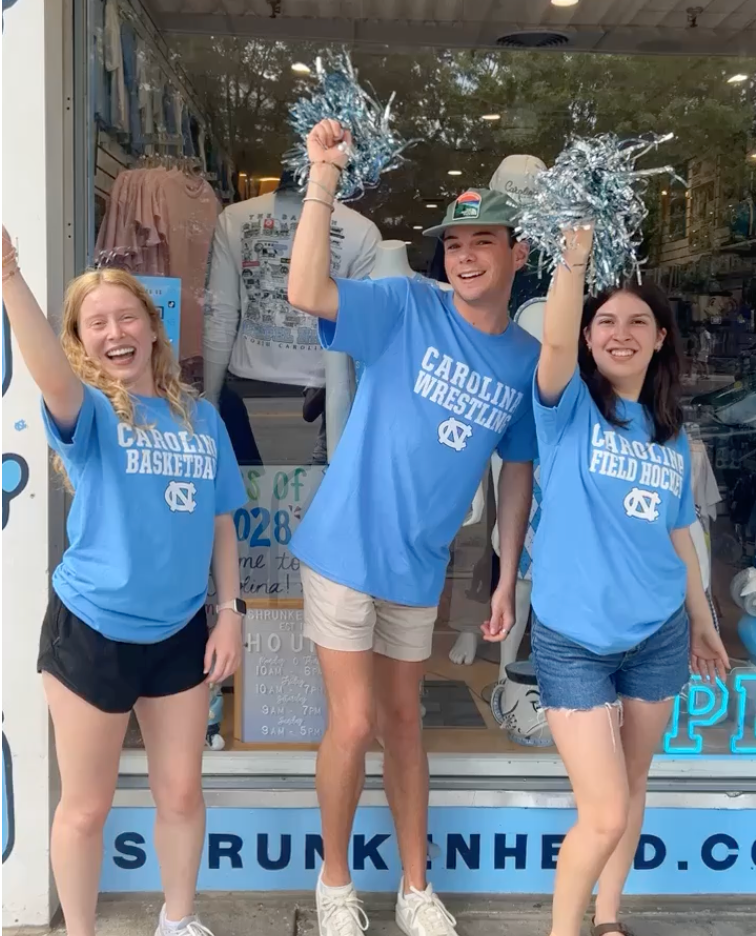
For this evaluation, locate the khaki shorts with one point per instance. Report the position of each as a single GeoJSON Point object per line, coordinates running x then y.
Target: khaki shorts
{"type": "Point", "coordinates": [337, 617]}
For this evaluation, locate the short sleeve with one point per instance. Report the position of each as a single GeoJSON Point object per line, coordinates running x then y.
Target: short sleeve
{"type": "Point", "coordinates": [73, 445]}
{"type": "Point", "coordinates": [686, 514]}
{"type": "Point", "coordinates": [230, 493]}
{"type": "Point", "coordinates": [519, 443]}
{"type": "Point", "coordinates": [551, 421]}
{"type": "Point", "coordinates": [370, 312]}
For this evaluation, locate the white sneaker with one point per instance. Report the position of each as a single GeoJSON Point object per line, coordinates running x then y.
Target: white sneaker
{"type": "Point", "coordinates": [340, 910]}
{"type": "Point", "coordinates": [189, 926]}
{"type": "Point", "coordinates": [421, 913]}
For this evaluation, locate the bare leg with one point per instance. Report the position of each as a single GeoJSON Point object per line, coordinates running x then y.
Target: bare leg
{"type": "Point", "coordinates": [88, 746]}
{"type": "Point", "coordinates": [173, 728]}
{"type": "Point", "coordinates": [405, 763]}
{"type": "Point", "coordinates": [642, 729]}
{"type": "Point", "coordinates": [348, 678]}
{"type": "Point", "coordinates": [589, 744]}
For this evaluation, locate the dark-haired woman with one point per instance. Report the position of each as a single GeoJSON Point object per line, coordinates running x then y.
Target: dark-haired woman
{"type": "Point", "coordinates": [621, 616]}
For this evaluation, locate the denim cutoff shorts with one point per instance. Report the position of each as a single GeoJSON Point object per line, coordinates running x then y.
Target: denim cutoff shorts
{"type": "Point", "coordinates": [571, 677]}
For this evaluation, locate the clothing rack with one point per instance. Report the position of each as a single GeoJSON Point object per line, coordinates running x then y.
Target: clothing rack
{"type": "Point", "coordinates": [144, 26]}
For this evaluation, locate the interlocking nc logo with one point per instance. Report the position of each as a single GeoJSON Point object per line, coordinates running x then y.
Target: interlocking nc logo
{"type": "Point", "coordinates": [454, 434]}
{"type": "Point", "coordinates": [642, 504]}
{"type": "Point", "coordinates": [179, 495]}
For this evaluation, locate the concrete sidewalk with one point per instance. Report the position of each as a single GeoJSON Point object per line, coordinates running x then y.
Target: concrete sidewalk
{"type": "Point", "coordinates": [293, 915]}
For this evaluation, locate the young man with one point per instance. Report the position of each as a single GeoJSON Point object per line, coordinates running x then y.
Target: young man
{"type": "Point", "coordinates": [447, 379]}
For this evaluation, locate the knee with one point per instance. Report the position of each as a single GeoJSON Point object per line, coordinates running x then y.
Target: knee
{"type": "Point", "coordinates": [352, 730]}
{"type": "Point", "coordinates": [83, 819]}
{"type": "Point", "coordinates": [178, 800]}
{"type": "Point", "coordinates": [401, 725]}
{"type": "Point", "coordinates": [608, 822]}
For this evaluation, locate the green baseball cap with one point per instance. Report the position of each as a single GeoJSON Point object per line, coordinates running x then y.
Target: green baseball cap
{"type": "Point", "coordinates": [477, 207]}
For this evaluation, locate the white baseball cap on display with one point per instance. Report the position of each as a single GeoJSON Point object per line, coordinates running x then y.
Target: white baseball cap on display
{"type": "Point", "coordinates": [516, 174]}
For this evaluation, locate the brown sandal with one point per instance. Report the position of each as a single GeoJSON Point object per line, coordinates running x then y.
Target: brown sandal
{"type": "Point", "coordinates": [605, 929]}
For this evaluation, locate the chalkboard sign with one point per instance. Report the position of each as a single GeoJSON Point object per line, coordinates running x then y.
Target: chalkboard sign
{"type": "Point", "coordinates": [282, 699]}
{"type": "Point", "coordinates": [279, 496]}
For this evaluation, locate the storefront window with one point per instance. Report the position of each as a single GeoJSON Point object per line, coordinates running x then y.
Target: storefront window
{"type": "Point", "coordinates": [189, 134]}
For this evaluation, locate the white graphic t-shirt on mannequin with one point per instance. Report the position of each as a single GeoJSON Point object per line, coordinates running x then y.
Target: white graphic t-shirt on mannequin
{"type": "Point", "coordinates": [250, 328]}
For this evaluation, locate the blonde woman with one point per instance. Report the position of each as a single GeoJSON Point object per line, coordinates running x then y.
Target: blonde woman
{"type": "Point", "coordinates": [154, 483]}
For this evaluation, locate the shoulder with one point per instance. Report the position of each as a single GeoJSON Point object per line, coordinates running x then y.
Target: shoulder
{"type": "Point", "coordinates": [524, 348]}
{"type": "Point", "coordinates": [524, 341]}
{"type": "Point", "coordinates": [202, 411]}
{"type": "Point", "coordinates": [101, 401]}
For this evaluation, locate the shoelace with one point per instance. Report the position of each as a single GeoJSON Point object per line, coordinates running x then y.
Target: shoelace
{"type": "Point", "coordinates": [432, 914]}
{"type": "Point", "coordinates": [195, 928]}
{"type": "Point", "coordinates": [344, 914]}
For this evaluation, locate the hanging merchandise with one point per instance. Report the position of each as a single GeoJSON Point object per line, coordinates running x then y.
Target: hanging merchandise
{"type": "Point", "coordinates": [250, 328]}
{"type": "Point", "coordinates": [159, 221]}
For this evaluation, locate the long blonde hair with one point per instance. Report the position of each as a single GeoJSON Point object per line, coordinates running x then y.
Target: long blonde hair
{"type": "Point", "coordinates": [166, 372]}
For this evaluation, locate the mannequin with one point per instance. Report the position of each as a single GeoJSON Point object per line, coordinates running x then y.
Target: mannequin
{"type": "Point", "coordinates": [529, 317]}
{"type": "Point", "coordinates": [340, 376]}
{"type": "Point", "coordinates": [251, 331]}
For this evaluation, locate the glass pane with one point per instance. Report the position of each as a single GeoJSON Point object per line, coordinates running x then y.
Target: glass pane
{"type": "Point", "coordinates": [190, 134]}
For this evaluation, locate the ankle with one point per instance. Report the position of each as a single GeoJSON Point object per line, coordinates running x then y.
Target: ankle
{"type": "Point", "coordinates": [411, 883]}
{"type": "Point", "coordinates": [606, 913]}
{"type": "Point", "coordinates": [338, 877]}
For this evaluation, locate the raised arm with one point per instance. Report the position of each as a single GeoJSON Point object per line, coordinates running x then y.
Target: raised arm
{"type": "Point", "coordinates": [311, 288]}
{"type": "Point", "coordinates": [42, 353]}
{"type": "Point", "coordinates": [562, 316]}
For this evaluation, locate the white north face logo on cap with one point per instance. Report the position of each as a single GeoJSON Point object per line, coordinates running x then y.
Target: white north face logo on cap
{"type": "Point", "coordinates": [516, 175]}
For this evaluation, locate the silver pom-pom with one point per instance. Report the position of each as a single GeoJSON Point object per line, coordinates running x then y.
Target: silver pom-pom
{"type": "Point", "coordinates": [375, 149]}
{"type": "Point", "coordinates": [593, 180]}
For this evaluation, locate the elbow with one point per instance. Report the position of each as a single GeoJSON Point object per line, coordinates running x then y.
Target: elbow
{"type": "Point", "coordinates": [300, 296]}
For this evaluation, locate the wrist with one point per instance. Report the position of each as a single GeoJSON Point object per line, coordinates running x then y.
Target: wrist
{"type": "Point", "coordinates": [232, 606]}
{"type": "Point", "coordinates": [325, 173]}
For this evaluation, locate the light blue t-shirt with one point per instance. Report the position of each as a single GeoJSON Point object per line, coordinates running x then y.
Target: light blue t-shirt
{"type": "Point", "coordinates": [605, 572]}
{"type": "Point", "coordinates": [141, 525]}
{"type": "Point", "coordinates": [436, 398]}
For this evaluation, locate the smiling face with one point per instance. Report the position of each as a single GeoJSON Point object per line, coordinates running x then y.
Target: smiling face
{"type": "Point", "coordinates": [623, 337]}
{"type": "Point", "coordinates": [480, 262]}
{"type": "Point", "coordinates": [117, 335]}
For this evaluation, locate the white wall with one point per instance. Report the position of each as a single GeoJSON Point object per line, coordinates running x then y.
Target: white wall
{"type": "Point", "coordinates": [33, 114]}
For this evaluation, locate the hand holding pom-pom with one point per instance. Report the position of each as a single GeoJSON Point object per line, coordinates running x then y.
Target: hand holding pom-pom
{"type": "Point", "coordinates": [597, 179]}
{"type": "Point", "coordinates": [329, 142]}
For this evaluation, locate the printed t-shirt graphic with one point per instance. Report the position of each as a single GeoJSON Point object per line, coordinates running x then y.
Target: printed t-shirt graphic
{"type": "Point", "coordinates": [249, 275]}
{"type": "Point", "coordinates": [613, 497]}
{"type": "Point", "coordinates": [141, 524]}
{"type": "Point", "coordinates": [436, 398]}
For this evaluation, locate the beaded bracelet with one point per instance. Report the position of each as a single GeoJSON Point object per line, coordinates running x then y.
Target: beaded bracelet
{"type": "Point", "coordinates": [325, 162]}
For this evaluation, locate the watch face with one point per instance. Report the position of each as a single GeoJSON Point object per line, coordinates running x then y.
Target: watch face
{"type": "Point", "coordinates": [240, 606]}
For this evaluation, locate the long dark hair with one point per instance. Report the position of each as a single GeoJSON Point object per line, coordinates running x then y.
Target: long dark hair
{"type": "Point", "coordinates": [660, 394]}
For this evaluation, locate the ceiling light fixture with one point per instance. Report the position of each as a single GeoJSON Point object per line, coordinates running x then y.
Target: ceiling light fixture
{"type": "Point", "coordinates": [455, 172]}
{"type": "Point", "coordinates": [665, 192]}
{"type": "Point", "coordinates": [491, 117]}
{"type": "Point", "coordinates": [564, 3]}
{"type": "Point", "coordinates": [300, 68]}
{"type": "Point", "coordinates": [417, 227]}
{"type": "Point", "coordinates": [737, 79]}
{"type": "Point", "coordinates": [431, 205]}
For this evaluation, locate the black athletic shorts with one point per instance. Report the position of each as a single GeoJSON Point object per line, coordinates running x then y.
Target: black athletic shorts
{"type": "Point", "coordinates": [112, 675]}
